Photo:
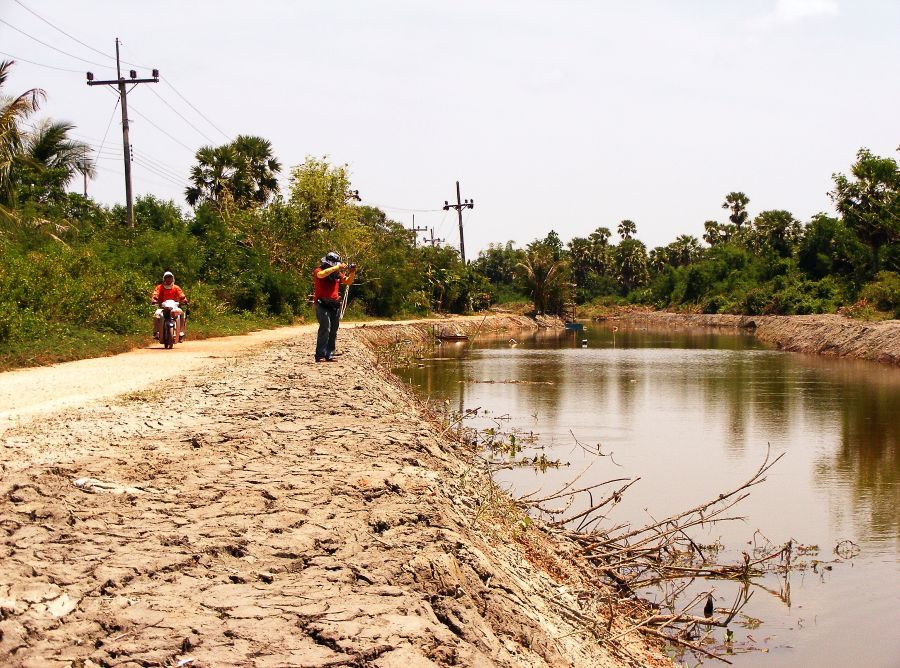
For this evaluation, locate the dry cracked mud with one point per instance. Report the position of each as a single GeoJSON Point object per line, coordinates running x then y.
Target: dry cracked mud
{"type": "Point", "coordinates": [275, 512]}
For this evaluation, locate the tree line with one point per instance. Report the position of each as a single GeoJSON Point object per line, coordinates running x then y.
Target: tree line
{"type": "Point", "coordinates": [768, 263]}
{"type": "Point", "coordinates": [245, 248]}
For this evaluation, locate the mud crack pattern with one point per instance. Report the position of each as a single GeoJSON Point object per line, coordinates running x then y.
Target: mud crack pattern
{"type": "Point", "coordinates": [271, 512]}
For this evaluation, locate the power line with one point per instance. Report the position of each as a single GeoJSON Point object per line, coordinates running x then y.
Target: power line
{"type": "Point", "coordinates": [400, 208]}
{"type": "Point", "coordinates": [55, 27]}
{"type": "Point", "coordinates": [166, 81]}
{"type": "Point", "coordinates": [109, 125]}
{"type": "Point", "coordinates": [158, 172]}
{"type": "Point", "coordinates": [72, 37]}
{"type": "Point", "coordinates": [106, 55]}
{"type": "Point", "coordinates": [172, 171]}
{"type": "Point", "coordinates": [31, 62]}
{"type": "Point", "coordinates": [120, 173]}
{"type": "Point", "coordinates": [165, 102]}
{"type": "Point", "coordinates": [174, 139]}
{"type": "Point", "coordinates": [50, 46]}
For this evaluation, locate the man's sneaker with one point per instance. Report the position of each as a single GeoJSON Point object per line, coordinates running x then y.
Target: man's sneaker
{"type": "Point", "coordinates": [181, 338]}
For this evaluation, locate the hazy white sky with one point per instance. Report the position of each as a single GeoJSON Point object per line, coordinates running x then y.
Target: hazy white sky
{"type": "Point", "coordinates": [566, 115]}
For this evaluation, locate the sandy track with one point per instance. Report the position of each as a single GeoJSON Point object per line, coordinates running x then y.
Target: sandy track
{"type": "Point", "coordinates": [28, 393]}
{"type": "Point", "coordinates": [280, 513]}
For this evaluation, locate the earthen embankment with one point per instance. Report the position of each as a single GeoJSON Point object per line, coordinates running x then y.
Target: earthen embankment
{"type": "Point", "coordinates": [831, 335]}
{"type": "Point", "coordinates": [270, 511]}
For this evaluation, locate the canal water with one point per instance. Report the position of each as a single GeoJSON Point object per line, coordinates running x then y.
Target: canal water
{"type": "Point", "coordinates": [692, 414]}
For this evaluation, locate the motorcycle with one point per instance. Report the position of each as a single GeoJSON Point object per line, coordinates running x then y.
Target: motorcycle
{"type": "Point", "coordinates": [169, 312]}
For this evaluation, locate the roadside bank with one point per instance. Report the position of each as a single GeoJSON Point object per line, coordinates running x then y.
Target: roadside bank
{"type": "Point", "coordinates": [30, 392]}
{"type": "Point", "coordinates": [273, 511]}
{"type": "Point", "coordinates": [831, 335]}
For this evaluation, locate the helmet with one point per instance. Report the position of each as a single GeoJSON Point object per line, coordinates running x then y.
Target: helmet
{"type": "Point", "coordinates": [168, 275]}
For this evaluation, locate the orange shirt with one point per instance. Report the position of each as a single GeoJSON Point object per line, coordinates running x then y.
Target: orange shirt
{"type": "Point", "coordinates": [161, 293]}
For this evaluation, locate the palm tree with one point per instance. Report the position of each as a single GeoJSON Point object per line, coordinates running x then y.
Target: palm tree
{"type": "Point", "coordinates": [49, 146]}
{"type": "Point", "coordinates": [631, 258]}
{"type": "Point", "coordinates": [13, 112]}
{"type": "Point", "coordinates": [737, 202]}
{"type": "Point", "coordinates": [243, 171]}
{"type": "Point", "coordinates": [659, 258]}
{"type": "Point", "coordinates": [627, 229]}
{"type": "Point", "coordinates": [684, 249]}
{"type": "Point", "coordinates": [542, 274]}
{"type": "Point", "coordinates": [212, 176]}
{"type": "Point", "coordinates": [257, 167]}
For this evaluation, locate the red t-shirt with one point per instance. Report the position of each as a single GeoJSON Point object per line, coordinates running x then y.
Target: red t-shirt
{"type": "Point", "coordinates": [326, 288]}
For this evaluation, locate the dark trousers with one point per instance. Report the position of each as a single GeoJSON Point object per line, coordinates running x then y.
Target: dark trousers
{"type": "Point", "coordinates": [329, 318]}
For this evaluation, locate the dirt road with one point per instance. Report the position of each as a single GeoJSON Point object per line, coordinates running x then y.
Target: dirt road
{"type": "Point", "coordinates": [28, 393]}
{"type": "Point", "coordinates": [269, 511]}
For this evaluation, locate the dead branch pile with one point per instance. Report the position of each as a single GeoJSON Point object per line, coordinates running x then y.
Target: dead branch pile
{"type": "Point", "coordinates": [661, 553]}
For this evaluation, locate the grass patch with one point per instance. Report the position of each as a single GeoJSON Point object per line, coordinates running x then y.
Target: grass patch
{"type": "Point", "coordinates": [53, 344]}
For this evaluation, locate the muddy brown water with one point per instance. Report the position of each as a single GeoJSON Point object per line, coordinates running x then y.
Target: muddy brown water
{"type": "Point", "coordinates": [692, 413]}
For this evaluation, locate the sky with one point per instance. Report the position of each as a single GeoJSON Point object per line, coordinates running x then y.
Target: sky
{"type": "Point", "coordinates": [564, 115]}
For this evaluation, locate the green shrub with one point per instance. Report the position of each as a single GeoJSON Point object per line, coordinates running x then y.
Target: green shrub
{"type": "Point", "coordinates": [884, 292]}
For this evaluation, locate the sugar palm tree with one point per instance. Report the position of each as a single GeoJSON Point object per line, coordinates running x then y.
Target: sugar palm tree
{"type": "Point", "coordinates": [243, 171]}
{"type": "Point", "coordinates": [737, 203]}
{"type": "Point", "coordinates": [627, 229]}
{"type": "Point", "coordinates": [256, 170]}
{"type": "Point", "coordinates": [212, 177]}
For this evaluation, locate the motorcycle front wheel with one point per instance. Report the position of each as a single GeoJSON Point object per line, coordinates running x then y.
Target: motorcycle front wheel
{"type": "Point", "coordinates": [168, 336]}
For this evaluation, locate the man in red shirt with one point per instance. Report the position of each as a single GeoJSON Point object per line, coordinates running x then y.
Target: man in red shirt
{"type": "Point", "coordinates": [163, 292]}
{"type": "Point", "coordinates": [327, 279]}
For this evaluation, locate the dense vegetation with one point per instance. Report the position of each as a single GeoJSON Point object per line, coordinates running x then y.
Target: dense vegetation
{"type": "Point", "coordinates": [769, 264]}
{"type": "Point", "coordinates": [77, 278]}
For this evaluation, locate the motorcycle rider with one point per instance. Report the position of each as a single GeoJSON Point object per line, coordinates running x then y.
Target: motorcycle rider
{"type": "Point", "coordinates": [163, 292]}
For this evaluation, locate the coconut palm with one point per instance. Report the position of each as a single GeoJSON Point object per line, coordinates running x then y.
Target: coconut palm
{"type": "Point", "coordinates": [49, 146]}
{"type": "Point", "coordinates": [13, 112]}
{"type": "Point", "coordinates": [543, 276]}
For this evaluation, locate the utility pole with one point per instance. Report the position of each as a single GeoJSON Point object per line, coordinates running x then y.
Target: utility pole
{"type": "Point", "coordinates": [459, 206]}
{"type": "Point", "coordinates": [434, 242]}
{"type": "Point", "coordinates": [83, 165]}
{"type": "Point", "coordinates": [120, 83]}
{"type": "Point", "coordinates": [415, 230]}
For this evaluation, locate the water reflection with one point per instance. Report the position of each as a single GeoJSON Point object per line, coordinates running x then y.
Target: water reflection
{"type": "Point", "coordinates": [692, 412]}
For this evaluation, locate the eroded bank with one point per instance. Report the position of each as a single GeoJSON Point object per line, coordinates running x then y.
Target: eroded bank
{"type": "Point", "coordinates": [831, 335]}
{"type": "Point", "coordinates": [273, 511]}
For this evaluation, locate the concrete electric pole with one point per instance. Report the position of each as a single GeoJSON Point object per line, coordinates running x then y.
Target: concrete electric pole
{"type": "Point", "coordinates": [459, 206]}
{"type": "Point", "coordinates": [434, 242]}
{"type": "Point", "coordinates": [120, 83]}
{"type": "Point", "coordinates": [415, 230]}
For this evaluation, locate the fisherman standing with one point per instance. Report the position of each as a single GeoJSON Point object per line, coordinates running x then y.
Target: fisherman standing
{"type": "Point", "coordinates": [327, 279]}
